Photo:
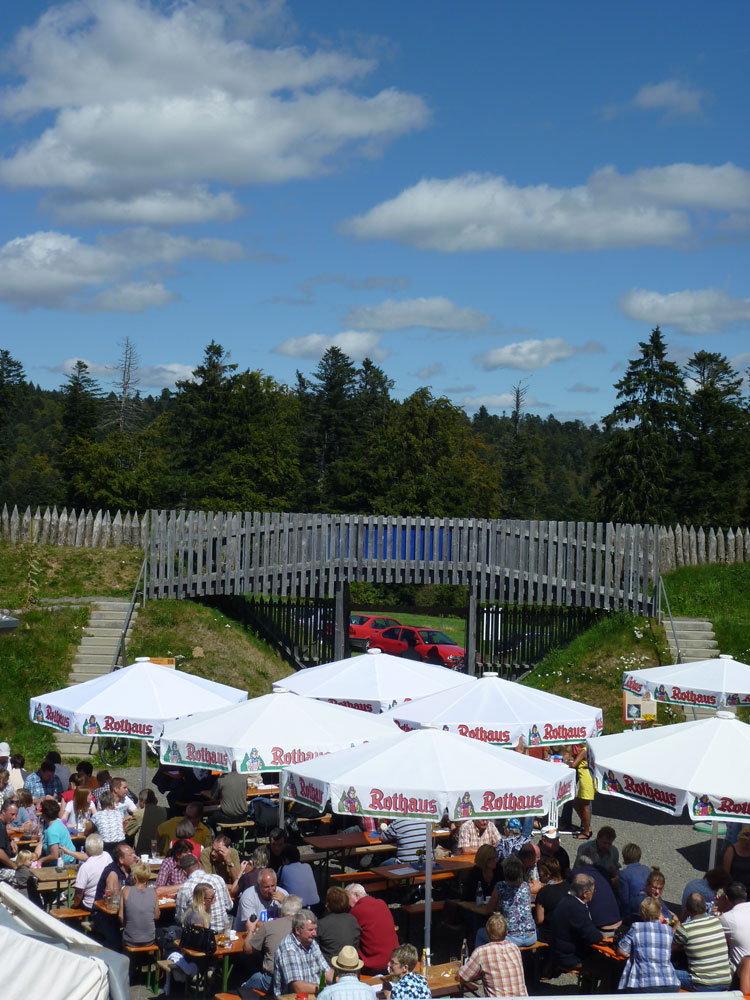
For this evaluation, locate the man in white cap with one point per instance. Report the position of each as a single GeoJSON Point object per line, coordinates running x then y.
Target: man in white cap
{"type": "Point", "coordinates": [550, 847]}
{"type": "Point", "coordinates": [347, 987]}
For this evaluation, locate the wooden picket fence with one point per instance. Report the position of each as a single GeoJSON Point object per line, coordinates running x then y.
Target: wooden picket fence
{"type": "Point", "coordinates": [197, 553]}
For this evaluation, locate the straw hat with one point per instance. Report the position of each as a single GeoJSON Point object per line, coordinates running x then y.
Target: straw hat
{"type": "Point", "coordinates": [347, 960]}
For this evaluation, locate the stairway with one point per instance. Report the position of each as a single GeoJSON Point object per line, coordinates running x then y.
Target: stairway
{"type": "Point", "coordinates": [94, 658]}
{"type": "Point", "coordinates": [696, 639]}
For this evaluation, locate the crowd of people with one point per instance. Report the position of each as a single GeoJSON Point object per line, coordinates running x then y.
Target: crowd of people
{"type": "Point", "coordinates": [521, 890]}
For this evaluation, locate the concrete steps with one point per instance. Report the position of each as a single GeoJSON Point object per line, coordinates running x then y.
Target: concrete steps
{"type": "Point", "coordinates": [94, 658]}
{"type": "Point", "coordinates": [696, 638]}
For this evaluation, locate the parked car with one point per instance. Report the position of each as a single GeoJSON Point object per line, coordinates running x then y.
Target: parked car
{"type": "Point", "coordinates": [422, 643]}
{"type": "Point", "coordinates": [364, 627]}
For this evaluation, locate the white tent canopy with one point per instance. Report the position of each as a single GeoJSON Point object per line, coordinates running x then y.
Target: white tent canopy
{"type": "Point", "coordinates": [701, 684]}
{"type": "Point", "coordinates": [500, 712]}
{"type": "Point", "coordinates": [421, 774]}
{"type": "Point", "coordinates": [134, 701]}
{"type": "Point", "coordinates": [267, 733]}
{"type": "Point", "coordinates": [373, 682]}
{"type": "Point", "coordinates": [45, 957]}
{"type": "Point", "coordinates": [701, 765]}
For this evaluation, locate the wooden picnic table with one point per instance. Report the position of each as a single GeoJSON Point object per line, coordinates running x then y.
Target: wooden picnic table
{"type": "Point", "coordinates": [223, 953]}
{"type": "Point", "coordinates": [442, 979]}
{"type": "Point", "coordinates": [51, 880]}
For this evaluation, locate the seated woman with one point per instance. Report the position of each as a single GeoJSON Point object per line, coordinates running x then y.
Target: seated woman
{"type": "Point", "coordinates": [26, 819]}
{"type": "Point", "coordinates": [79, 811]}
{"type": "Point", "coordinates": [409, 984]}
{"type": "Point", "coordinates": [107, 822]}
{"type": "Point", "coordinates": [297, 877]}
{"type": "Point", "coordinates": [139, 908]}
{"type": "Point", "coordinates": [170, 874]}
{"type": "Point", "coordinates": [552, 891]}
{"type": "Point", "coordinates": [7, 791]}
{"type": "Point", "coordinates": [648, 949]}
{"type": "Point", "coordinates": [654, 888]}
{"type": "Point", "coordinates": [185, 830]}
{"type": "Point", "coordinates": [480, 879]}
{"type": "Point", "coordinates": [56, 838]}
{"type": "Point", "coordinates": [338, 927]}
{"type": "Point", "coordinates": [198, 913]}
{"type": "Point", "coordinates": [73, 782]}
{"type": "Point", "coordinates": [511, 897]}
{"type": "Point", "coordinates": [22, 877]}
{"type": "Point", "coordinates": [134, 822]}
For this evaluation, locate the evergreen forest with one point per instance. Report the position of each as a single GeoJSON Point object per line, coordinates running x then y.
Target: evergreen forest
{"type": "Point", "coordinates": [676, 446]}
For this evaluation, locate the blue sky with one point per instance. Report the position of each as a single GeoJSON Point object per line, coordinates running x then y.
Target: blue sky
{"type": "Point", "coordinates": [473, 195]}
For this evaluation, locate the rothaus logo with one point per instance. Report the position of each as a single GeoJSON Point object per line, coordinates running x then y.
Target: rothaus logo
{"type": "Point", "coordinates": [401, 804]}
{"type": "Point", "coordinates": [485, 735]}
{"type": "Point", "coordinates": [643, 790]}
{"type": "Point", "coordinates": [112, 725]}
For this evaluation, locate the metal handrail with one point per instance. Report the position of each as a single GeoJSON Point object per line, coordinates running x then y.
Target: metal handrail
{"type": "Point", "coordinates": [662, 590]}
{"type": "Point", "coordinates": [121, 641]}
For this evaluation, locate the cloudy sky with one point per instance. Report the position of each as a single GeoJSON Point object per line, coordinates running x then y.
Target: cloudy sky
{"type": "Point", "coordinates": [473, 194]}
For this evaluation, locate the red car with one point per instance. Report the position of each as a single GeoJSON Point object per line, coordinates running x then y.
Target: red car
{"type": "Point", "coordinates": [422, 643]}
{"type": "Point", "coordinates": [364, 628]}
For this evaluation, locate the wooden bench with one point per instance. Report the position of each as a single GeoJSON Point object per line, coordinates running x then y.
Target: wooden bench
{"type": "Point", "coordinates": [414, 909]}
{"type": "Point", "coordinates": [149, 952]}
{"type": "Point", "coordinates": [68, 913]}
{"type": "Point", "coordinates": [232, 829]}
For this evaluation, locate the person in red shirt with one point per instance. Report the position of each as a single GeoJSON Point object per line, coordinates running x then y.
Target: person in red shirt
{"type": "Point", "coordinates": [378, 936]}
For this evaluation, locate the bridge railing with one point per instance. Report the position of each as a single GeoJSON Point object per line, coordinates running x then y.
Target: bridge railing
{"type": "Point", "coordinates": [196, 553]}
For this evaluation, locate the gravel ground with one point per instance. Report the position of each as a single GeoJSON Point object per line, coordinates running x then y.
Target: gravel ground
{"type": "Point", "coordinates": [668, 842]}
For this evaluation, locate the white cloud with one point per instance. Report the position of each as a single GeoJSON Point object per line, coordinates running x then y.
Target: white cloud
{"type": "Point", "coordinates": [155, 208]}
{"type": "Point", "coordinates": [54, 270]}
{"type": "Point", "coordinates": [700, 311]}
{"type": "Point", "coordinates": [582, 387]}
{"type": "Point", "coordinates": [528, 355]}
{"type": "Point", "coordinates": [650, 207]}
{"type": "Point", "coordinates": [356, 344]}
{"type": "Point", "coordinates": [497, 401]}
{"type": "Point", "coordinates": [150, 105]}
{"type": "Point", "coordinates": [435, 313]}
{"type": "Point", "coordinates": [429, 370]}
{"type": "Point", "coordinates": [670, 96]}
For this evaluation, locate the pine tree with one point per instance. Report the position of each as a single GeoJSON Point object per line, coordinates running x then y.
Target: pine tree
{"type": "Point", "coordinates": [638, 465]}
{"type": "Point", "coordinates": [714, 443]}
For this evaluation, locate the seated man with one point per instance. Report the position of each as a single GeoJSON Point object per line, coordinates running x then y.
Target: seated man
{"type": "Point", "coordinates": [497, 964]}
{"type": "Point", "coordinates": [221, 859]}
{"type": "Point", "coordinates": [264, 937]}
{"type": "Point", "coordinates": [276, 844]}
{"type": "Point", "coordinates": [347, 964]}
{"type": "Point", "coordinates": [409, 985]}
{"type": "Point", "coordinates": [735, 919]}
{"type": "Point", "coordinates": [409, 837]}
{"type": "Point", "coordinates": [550, 847]}
{"type": "Point", "coordinates": [8, 813]}
{"type": "Point", "coordinates": [708, 886]}
{"type": "Point", "coordinates": [230, 791]}
{"type": "Point", "coordinates": [603, 851]}
{"type": "Point", "coordinates": [297, 876]}
{"type": "Point", "coordinates": [298, 962]}
{"type": "Point", "coordinates": [571, 928]}
{"type": "Point", "coordinates": [512, 840]}
{"type": "Point", "coordinates": [603, 907]}
{"type": "Point", "coordinates": [475, 832]}
{"type": "Point", "coordinates": [529, 855]}
{"type": "Point", "coordinates": [220, 912]}
{"type": "Point", "coordinates": [263, 898]}
{"type": "Point", "coordinates": [632, 878]}
{"type": "Point", "coordinates": [704, 943]}
{"type": "Point", "coordinates": [378, 935]}
{"type": "Point", "coordinates": [88, 875]}
{"type": "Point", "coordinates": [44, 782]}
{"type": "Point", "coordinates": [111, 880]}
{"type": "Point", "coordinates": [167, 831]}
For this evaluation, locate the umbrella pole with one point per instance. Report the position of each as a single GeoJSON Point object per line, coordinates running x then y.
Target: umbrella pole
{"type": "Point", "coordinates": [427, 892]}
{"type": "Point", "coordinates": [712, 852]}
{"type": "Point", "coordinates": [281, 800]}
{"type": "Point", "coordinates": [143, 763]}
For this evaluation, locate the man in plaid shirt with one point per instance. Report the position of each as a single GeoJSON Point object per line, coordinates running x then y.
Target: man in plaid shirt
{"type": "Point", "coordinates": [475, 832]}
{"type": "Point", "coordinates": [498, 964]}
{"type": "Point", "coordinates": [220, 911]}
{"type": "Point", "coordinates": [298, 961]}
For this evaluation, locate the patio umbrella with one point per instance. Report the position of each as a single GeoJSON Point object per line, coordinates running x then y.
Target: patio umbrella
{"type": "Point", "coordinates": [419, 775]}
{"type": "Point", "coordinates": [267, 733]}
{"type": "Point", "coordinates": [497, 711]}
{"type": "Point", "coordinates": [134, 701]}
{"type": "Point", "coordinates": [700, 684]}
{"type": "Point", "coordinates": [373, 682]}
{"type": "Point", "coordinates": [701, 765]}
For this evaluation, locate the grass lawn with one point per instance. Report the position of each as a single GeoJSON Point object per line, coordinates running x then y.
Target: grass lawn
{"type": "Point", "coordinates": [719, 593]}
{"type": "Point", "coordinates": [454, 628]}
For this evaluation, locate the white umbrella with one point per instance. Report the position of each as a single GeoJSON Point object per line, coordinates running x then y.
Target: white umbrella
{"type": "Point", "coordinates": [497, 711]}
{"type": "Point", "coordinates": [701, 765]}
{"type": "Point", "coordinates": [267, 733]}
{"type": "Point", "coordinates": [701, 684]}
{"type": "Point", "coordinates": [373, 682]}
{"type": "Point", "coordinates": [421, 774]}
{"type": "Point", "coordinates": [134, 701]}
